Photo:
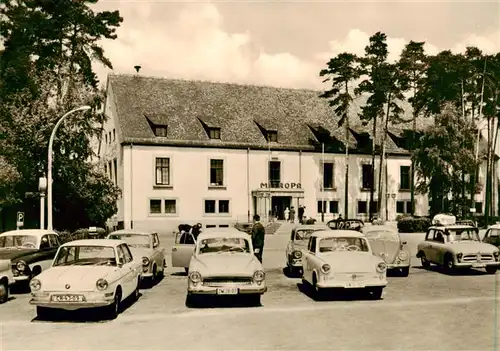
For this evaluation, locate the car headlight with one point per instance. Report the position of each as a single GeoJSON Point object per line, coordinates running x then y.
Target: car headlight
{"type": "Point", "coordinates": [35, 284]}
{"type": "Point", "coordinates": [459, 257]}
{"type": "Point", "coordinates": [101, 284]}
{"type": "Point", "coordinates": [403, 255]}
{"type": "Point", "coordinates": [381, 267]}
{"type": "Point", "coordinates": [259, 276]}
{"type": "Point", "coordinates": [297, 254]}
{"type": "Point", "coordinates": [145, 261]}
{"type": "Point", "coordinates": [195, 276]}
{"type": "Point", "coordinates": [325, 269]}
{"type": "Point", "coordinates": [21, 266]}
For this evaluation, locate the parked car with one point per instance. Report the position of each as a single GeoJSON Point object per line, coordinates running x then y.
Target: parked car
{"type": "Point", "coordinates": [244, 227]}
{"type": "Point", "coordinates": [456, 247]}
{"type": "Point", "coordinates": [87, 273]}
{"type": "Point", "coordinates": [492, 235]}
{"type": "Point", "coordinates": [30, 251]}
{"type": "Point", "coordinates": [89, 233]}
{"type": "Point", "coordinates": [298, 241]}
{"type": "Point", "coordinates": [345, 224]}
{"type": "Point", "coordinates": [145, 247]}
{"type": "Point", "coordinates": [183, 250]}
{"type": "Point", "coordinates": [387, 244]}
{"type": "Point", "coordinates": [343, 259]}
{"type": "Point", "coordinates": [6, 279]}
{"type": "Point", "coordinates": [224, 264]}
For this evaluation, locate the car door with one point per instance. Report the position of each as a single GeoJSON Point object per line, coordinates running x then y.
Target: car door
{"type": "Point", "coordinates": [46, 252]}
{"type": "Point", "coordinates": [183, 249]}
{"type": "Point", "coordinates": [157, 251]}
{"type": "Point", "coordinates": [289, 247]}
{"type": "Point", "coordinates": [492, 237]}
{"type": "Point", "coordinates": [308, 256]}
{"type": "Point", "coordinates": [426, 245]}
{"type": "Point", "coordinates": [127, 269]}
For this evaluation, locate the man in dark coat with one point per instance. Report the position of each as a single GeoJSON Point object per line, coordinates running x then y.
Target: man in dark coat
{"type": "Point", "coordinates": [258, 237]}
{"type": "Point", "coordinates": [301, 214]}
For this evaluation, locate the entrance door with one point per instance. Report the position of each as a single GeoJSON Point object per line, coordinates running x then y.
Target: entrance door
{"type": "Point", "coordinates": [279, 204]}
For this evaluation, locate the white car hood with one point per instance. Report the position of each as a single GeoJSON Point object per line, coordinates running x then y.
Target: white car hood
{"type": "Point", "coordinates": [81, 278]}
{"type": "Point", "coordinates": [351, 261]}
{"type": "Point", "coordinates": [467, 247]}
{"type": "Point", "coordinates": [224, 264]}
{"type": "Point", "coordinates": [139, 253]}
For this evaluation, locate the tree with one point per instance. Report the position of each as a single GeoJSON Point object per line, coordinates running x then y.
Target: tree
{"type": "Point", "coordinates": [342, 71]}
{"type": "Point", "coordinates": [412, 65]}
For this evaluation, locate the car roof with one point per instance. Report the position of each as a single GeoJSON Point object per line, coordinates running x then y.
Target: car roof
{"type": "Point", "coordinates": [452, 226]}
{"type": "Point", "coordinates": [131, 231]}
{"type": "Point", "coordinates": [337, 233]}
{"type": "Point", "coordinates": [35, 232]}
{"type": "Point", "coordinates": [94, 242]}
{"type": "Point", "coordinates": [312, 226]}
{"type": "Point", "coordinates": [494, 226]}
{"type": "Point", "coordinates": [378, 228]}
{"type": "Point", "coordinates": [222, 232]}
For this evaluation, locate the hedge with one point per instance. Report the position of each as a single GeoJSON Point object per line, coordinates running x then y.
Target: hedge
{"type": "Point", "coordinates": [481, 221]}
{"type": "Point", "coordinates": [413, 225]}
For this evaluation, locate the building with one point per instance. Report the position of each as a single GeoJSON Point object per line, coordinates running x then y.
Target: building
{"type": "Point", "coordinates": [190, 151]}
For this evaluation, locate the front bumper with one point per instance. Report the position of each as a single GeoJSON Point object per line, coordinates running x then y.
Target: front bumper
{"type": "Point", "coordinates": [21, 278]}
{"type": "Point", "coordinates": [90, 300]}
{"type": "Point", "coordinates": [296, 263]}
{"type": "Point", "coordinates": [352, 283]}
{"type": "Point", "coordinates": [476, 264]}
{"type": "Point", "coordinates": [241, 289]}
{"type": "Point", "coordinates": [397, 265]}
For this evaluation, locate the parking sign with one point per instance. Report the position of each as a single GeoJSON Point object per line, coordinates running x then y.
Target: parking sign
{"type": "Point", "coordinates": [20, 219]}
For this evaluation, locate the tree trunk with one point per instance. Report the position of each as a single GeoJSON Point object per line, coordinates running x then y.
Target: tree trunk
{"type": "Point", "coordinates": [372, 185]}
{"type": "Point", "coordinates": [346, 180]}
{"type": "Point", "coordinates": [382, 159]}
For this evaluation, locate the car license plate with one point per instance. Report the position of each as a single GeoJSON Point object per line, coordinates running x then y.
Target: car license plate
{"type": "Point", "coordinates": [478, 265]}
{"type": "Point", "coordinates": [354, 285]}
{"type": "Point", "coordinates": [67, 298]}
{"type": "Point", "coordinates": [227, 291]}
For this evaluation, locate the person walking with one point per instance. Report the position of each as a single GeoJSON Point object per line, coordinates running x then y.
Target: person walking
{"type": "Point", "coordinates": [292, 215]}
{"type": "Point", "coordinates": [287, 214]}
{"type": "Point", "coordinates": [258, 237]}
{"type": "Point", "coordinates": [301, 213]}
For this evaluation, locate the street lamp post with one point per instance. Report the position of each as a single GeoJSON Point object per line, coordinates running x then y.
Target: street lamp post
{"type": "Point", "coordinates": [49, 164]}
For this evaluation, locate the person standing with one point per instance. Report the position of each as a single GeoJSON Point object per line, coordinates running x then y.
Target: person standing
{"type": "Point", "coordinates": [301, 213]}
{"type": "Point", "coordinates": [287, 214]}
{"type": "Point", "coordinates": [258, 237]}
{"type": "Point", "coordinates": [292, 215]}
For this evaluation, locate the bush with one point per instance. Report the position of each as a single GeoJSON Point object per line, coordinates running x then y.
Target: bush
{"type": "Point", "coordinates": [65, 236]}
{"type": "Point", "coordinates": [413, 225]}
{"type": "Point", "coordinates": [481, 221]}
{"type": "Point", "coordinates": [378, 222]}
{"type": "Point", "coordinates": [310, 221]}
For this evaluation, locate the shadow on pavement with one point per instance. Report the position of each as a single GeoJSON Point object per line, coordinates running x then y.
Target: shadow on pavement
{"type": "Point", "coordinates": [334, 294]}
{"type": "Point", "coordinates": [461, 272]}
{"type": "Point", "coordinates": [209, 301]}
{"type": "Point", "coordinates": [85, 315]}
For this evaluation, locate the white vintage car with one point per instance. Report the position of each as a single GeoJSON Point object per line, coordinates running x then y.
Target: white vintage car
{"type": "Point", "coordinates": [86, 274]}
{"type": "Point", "coordinates": [145, 247]}
{"type": "Point", "coordinates": [454, 247]}
{"type": "Point", "coordinates": [6, 279]}
{"type": "Point", "coordinates": [343, 259]}
{"type": "Point", "coordinates": [223, 263]}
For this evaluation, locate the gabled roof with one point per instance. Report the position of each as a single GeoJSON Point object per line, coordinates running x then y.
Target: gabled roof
{"type": "Point", "coordinates": [243, 112]}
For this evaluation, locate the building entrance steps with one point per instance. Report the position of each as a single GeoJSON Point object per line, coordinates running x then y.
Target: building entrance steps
{"type": "Point", "coordinates": [272, 227]}
{"type": "Point", "coordinates": [285, 228]}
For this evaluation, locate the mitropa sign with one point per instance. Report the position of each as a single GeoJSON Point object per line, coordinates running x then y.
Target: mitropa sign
{"type": "Point", "coordinates": [278, 185]}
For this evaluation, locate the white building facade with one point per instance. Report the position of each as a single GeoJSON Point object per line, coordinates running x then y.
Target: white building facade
{"type": "Point", "coordinates": [166, 180]}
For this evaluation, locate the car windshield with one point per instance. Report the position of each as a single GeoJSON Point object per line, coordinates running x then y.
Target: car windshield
{"type": "Point", "coordinates": [385, 235]}
{"type": "Point", "coordinates": [494, 233]}
{"type": "Point", "coordinates": [18, 241]}
{"type": "Point", "coordinates": [463, 235]}
{"type": "Point", "coordinates": [343, 244]}
{"type": "Point", "coordinates": [85, 256]}
{"type": "Point", "coordinates": [223, 244]}
{"type": "Point", "coordinates": [304, 234]}
{"type": "Point", "coordinates": [133, 240]}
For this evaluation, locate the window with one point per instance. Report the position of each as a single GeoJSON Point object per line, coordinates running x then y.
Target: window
{"type": "Point", "coordinates": [328, 175]}
{"type": "Point", "coordinates": [162, 171]}
{"type": "Point", "coordinates": [114, 134]}
{"type": "Point", "coordinates": [404, 178]}
{"type": "Point", "coordinates": [362, 207]}
{"type": "Point", "coordinates": [274, 173]}
{"type": "Point", "coordinates": [161, 131]}
{"type": "Point", "coordinates": [216, 172]}
{"type": "Point", "coordinates": [409, 207]}
{"type": "Point", "coordinates": [214, 133]}
{"type": "Point", "coordinates": [321, 210]}
{"type": "Point", "coordinates": [479, 207]}
{"type": "Point", "coordinates": [109, 138]}
{"type": "Point", "coordinates": [155, 206]}
{"type": "Point", "coordinates": [367, 176]}
{"type": "Point", "coordinates": [334, 206]}
{"type": "Point", "coordinates": [400, 207]}
{"type": "Point", "coordinates": [209, 206]}
{"type": "Point", "coordinates": [223, 206]}
{"type": "Point", "coordinates": [126, 253]}
{"type": "Point", "coordinates": [170, 206]}
{"type": "Point", "coordinates": [272, 136]}
{"type": "Point", "coordinates": [106, 168]}
{"type": "Point", "coordinates": [115, 165]}
{"type": "Point", "coordinates": [374, 206]}
{"type": "Point", "coordinates": [312, 244]}
{"type": "Point", "coordinates": [106, 137]}
{"type": "Point", "coordinates": [110, 170]}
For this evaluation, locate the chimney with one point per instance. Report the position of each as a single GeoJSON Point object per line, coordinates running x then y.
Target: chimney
{"type": "Point", "coordinates": [137, 68]}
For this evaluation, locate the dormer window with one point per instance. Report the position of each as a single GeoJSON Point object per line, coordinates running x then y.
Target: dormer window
{"type": "Point", "coordinates": [214, 133]}
{"type": "Point", "coordinates": [272, 136]}
{"type": "Point", "coordinates": [160, 131]}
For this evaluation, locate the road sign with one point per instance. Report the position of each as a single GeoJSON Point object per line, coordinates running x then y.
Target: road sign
{"type": "Point", "coordinates": [20, 219]}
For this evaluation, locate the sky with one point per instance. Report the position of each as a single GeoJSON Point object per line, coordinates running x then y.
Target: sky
{"type": "Point", "coordinates": [283, 43]}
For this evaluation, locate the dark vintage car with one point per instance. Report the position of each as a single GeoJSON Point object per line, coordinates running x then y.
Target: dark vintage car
{"type": "Point", "coordinates": [387, 244]}
{"type": "Point", "coordinates": [30, 251]}
{"type": "Point", "coordinates": [346, 224]}
{"type": "Point", "coordinates": [244, 227]}
{"type": "Point", "coordinates": [492, 235]}
{"type": "Point", "coordinates": [298, 242]}
{"type": "Point", "coordinates": [89, 233]}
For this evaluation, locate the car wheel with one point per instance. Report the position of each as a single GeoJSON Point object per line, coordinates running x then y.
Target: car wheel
{"type": "Point", "coordinates": [136, 291]}
{"type": "Point", "coordinates": [491, 269]}
{"type": "Point", "coordinates": [114, 308]}
{"type": "Point", "coordinates": [186, 269]}
{"type": "Point", "coordinates": [376, 293]}
{"type": "Point", "coordinates": [449, 266]}
{"type": "Point", "coordinates": [4, 291]}
{"type": "Point", "coordinates": [42, 312]}
{"type": "Point", "coordinates": [318, 292]}
{"type": "Point", "coordinates": [405, 271]}
{"type": "Point", "coordinates": [161, 273]}
{"type": "Point", "coordinates": [154, 277]}
{"type": "Point", "coordinates": [426, 264]}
